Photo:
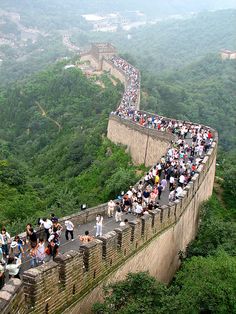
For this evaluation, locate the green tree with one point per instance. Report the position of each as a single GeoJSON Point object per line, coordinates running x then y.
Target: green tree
{"type": "Point", "coordinates": [138, 293]}
{"type": "Point", "coordinates": [205, 285]}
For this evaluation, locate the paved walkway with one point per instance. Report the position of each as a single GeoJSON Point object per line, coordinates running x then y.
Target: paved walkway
{"type": "Point", "coordinates": [109, 224]}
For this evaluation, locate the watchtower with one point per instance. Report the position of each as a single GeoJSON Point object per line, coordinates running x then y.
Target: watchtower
{"type": "Point", "coordinates": [99, 51]}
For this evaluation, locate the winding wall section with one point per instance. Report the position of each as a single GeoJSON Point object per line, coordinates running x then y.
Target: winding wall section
{"type": "Point", "coordinates": [74, 281]}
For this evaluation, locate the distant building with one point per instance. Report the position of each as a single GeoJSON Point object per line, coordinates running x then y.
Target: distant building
{"type": "Point", "coordinates": [228, 54]}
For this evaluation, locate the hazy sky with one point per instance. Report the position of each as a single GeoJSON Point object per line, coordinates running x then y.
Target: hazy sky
{"type": "Point", "coordinates": [153, 7]}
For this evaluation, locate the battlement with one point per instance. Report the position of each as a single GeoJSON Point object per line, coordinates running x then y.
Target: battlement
{"type": "Point", "coordinates": [74, 280]}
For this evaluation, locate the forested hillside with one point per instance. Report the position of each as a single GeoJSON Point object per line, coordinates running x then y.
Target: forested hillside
{"type": "Point", "coordinates": [172, 44]}
{"type": "Point", "coordinates": [204, 92]}
{"type": "Point", "coordinates": [53, 153]}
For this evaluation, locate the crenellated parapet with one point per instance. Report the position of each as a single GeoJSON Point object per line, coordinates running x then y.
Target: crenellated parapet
{"type": "Point", "coordinates": [74, 280]}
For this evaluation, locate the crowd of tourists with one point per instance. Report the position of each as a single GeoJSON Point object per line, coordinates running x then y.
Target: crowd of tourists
{"type": "Point", "coordinates": [170, 175]}
{"type": "Point", "coordinates": [36, 246]}
{"type": "Point", "coordinates": [131, 93]}
{"type": "Point", "coordinates": [174, 170]}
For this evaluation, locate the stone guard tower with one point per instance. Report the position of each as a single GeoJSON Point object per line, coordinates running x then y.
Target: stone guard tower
{"type": "Point", "coordinates": [99, 51]}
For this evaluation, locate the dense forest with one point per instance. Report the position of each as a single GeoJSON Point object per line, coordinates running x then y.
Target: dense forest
{"type": "Point", "coordinates": [54, 155]}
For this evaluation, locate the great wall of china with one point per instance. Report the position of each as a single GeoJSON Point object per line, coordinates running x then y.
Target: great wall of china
{"type": "Point", "coordinates": [75, 280]}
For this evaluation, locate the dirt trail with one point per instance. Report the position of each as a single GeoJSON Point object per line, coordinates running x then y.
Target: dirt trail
{"type": "Point", "coordinates": [44, 114]}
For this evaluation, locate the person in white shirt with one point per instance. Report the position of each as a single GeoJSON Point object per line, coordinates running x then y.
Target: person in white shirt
{"type": "Point", "coordinates": [130, 193]}
{"type": "Point", "coordinates": [69, 230]}
{"type": "Point", "coordinates": [139, 209]}
{"type": "Point", "coordinates": [172, 196]}
{"type": "Point", "coordinates": [179, 190]}
{"type": "Point", "coordinates": [5, 240]}
{"type": "Point", "coordinates": [182, 180]}
{"type": "Point", "coordinates": [172, 181]}
{"type": "Point", "coordinates": [99, 220]}
{"type": "Point", "coordinates": [47, 224]}
{"type": "Point", "coordinates": [13, 266]}
{"type": "Point", "coordinates": [110, 209]}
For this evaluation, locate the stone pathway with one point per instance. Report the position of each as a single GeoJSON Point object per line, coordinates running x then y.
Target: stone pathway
{"type": "Point", "coordinates": [109, 224]}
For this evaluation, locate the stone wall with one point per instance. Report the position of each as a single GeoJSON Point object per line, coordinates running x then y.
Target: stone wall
{"type": "Point", "coordinates": [12, 299]}
{"type": "Point", "coordinates": [75, 280]}
{"type": "Point", "coordinates": [155, 242]}
{"type": "Point", "coordinates": [146, 146]}
{"type": "Point", "coordinates": [107, 66]}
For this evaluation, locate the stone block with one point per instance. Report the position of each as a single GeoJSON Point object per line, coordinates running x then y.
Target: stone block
{"type": "Point", "coordinates": [205, 163]}
{"type": "Point", "coordinates": [195, 182]}
{"type": "Point", "coordinates": [189, 190]}
{"type": "Point", "coordinates": [156, 220]}
{"type": "Point", "coordinates": [171, 213]}
{"type": "Point", "coordinates": [92, 257]}
{"type": "Point", "coordinates": [164, 216]}
{"type": "Point", "coordinates": [136, 234]}
{"type": "Point", "coordinates": [5, 295]}
{"type": "Point", "coordinates": [146, 221]}
{"type": "Point", "coordinates": [178, 209]}
{"type": "Point", "coordinates": [184, 199]}
{"type": "Point", "coordinates": [124, 238]}
{"type": "Point", "coordinates": [109, 247]}
{"type": "Point", "coordinates": [70, 272]}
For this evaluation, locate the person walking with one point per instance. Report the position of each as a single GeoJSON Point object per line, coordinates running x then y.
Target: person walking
{"type": "Point", "coordinates": [99, 220]}
{"type": "Point", "coordinates": [110, 209]}
{"type": "Point", "coordinates": [118, 213]}
{"type": "Point", "coordinates": [159, 188]}
{"type": "Point", "coordinates": [69, 230]}
{"type": "Point", "coordinates": [47, 224]}
{"type": "Point", "coordinates": [32, 236]}
{"type": "Point", "coordinates": [40, 252]}
{"type": "Point", "coordinates": [54, 242]}
{"type": "Point", "coordinates": [5, 239]}
{"type": "Point", "coordinates": [16, 247]}
{"type": "Point", "coordinates": [33, 256]}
